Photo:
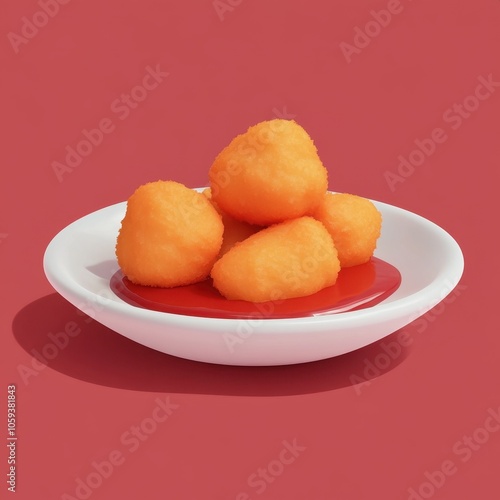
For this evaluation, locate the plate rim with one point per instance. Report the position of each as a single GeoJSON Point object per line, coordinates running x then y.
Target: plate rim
{"type": "Point", "coordinates": [268, 341]}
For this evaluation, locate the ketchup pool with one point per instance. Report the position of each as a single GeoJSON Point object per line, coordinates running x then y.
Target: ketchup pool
{"type": "Point", "coordinates": [357, 287]}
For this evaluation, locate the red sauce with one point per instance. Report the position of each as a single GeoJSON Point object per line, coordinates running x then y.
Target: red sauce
{"type": "Point", "coordinates": [356, 288]}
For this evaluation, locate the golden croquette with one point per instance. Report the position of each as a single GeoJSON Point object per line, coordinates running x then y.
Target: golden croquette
{"type": "Point", "coordinates": [354, 224]}
{"type": "Point", "coordinates": [269, 174]}
{"type": "Point", "coordinates": [291, 259]}
{"type": "Point", "coordinates": [170, 235]}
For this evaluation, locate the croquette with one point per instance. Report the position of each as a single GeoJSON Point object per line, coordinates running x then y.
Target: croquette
{"type": "Point", "coordinates": [291, 259]}
{"type": "Point", "coordinates": [269, 174]}
{"type": "Point", "coordinates": [354, 224]}
{"type": "Point", "coordinates": [170, 236]}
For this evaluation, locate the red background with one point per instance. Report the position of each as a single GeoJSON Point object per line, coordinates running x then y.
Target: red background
{"type": "Point", "coordinates": [376, 440]}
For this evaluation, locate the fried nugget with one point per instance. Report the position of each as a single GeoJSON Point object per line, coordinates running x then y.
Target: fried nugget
{"type": "Point", "coordinates": [170, 236]}
{"type": "Point", "coordinates": [269, 174]}
{"type": "Point", "coordinates": [354, 224]}
{"type": "Point", "coordinates": [291, 259]}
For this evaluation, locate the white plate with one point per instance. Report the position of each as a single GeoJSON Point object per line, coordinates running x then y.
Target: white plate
{"type": "Point", "coordinates": [80, 260]}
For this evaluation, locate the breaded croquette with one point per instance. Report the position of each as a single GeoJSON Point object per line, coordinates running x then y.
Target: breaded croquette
{"type": "Point", "coordinates": [354, 224]}
{"type": "Point", "coordinates": [290, 259]}
{"type": "Point", "coordinates": [171, 235]}
{"type": "Point", "coordinates": [269, 174]}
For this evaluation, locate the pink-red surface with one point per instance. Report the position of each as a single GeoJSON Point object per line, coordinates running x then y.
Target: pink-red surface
{"type": "Point", "coordinates": [402, 99]}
